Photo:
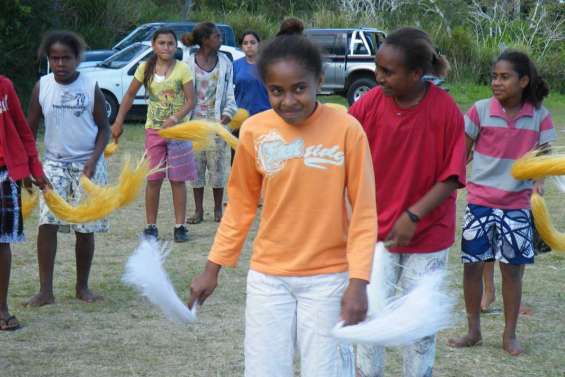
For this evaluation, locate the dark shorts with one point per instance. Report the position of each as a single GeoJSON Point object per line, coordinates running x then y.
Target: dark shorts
{"type": "Point", "coordinates": [11, 220]}
{"type": "Point", "coordinates": [491, 234]}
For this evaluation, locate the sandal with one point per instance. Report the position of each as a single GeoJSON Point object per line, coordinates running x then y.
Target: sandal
{"type": "Point", "coordinates": [9, 324]}
{"type": "Point", "coordinates": [195, 219]}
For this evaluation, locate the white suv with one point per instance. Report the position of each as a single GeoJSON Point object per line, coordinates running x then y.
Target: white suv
{"type": "Point", "coordinates": [115, 74]}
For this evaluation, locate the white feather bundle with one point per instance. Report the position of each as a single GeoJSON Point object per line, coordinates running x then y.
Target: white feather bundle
{"type": "Point", "coordinates": [423, 311]}
{"type": "Point", "coordinates": [144, 271]}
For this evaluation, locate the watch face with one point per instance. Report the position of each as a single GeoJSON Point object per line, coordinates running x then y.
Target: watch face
{"type": "Point", "coordinates": [413, 216]}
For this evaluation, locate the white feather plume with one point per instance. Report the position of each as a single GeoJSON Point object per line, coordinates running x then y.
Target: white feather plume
{"type": "Point", "coordinates": [423, 311]}
{"type": "Point", "coordinates": [144, 271]}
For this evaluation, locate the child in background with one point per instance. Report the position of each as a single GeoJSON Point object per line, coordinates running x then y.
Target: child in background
{"type": "Point", "coordinates": [18, 160]}
{"type": "Point", "coordinates": [213, 86]}
{"type": "Point", "coordinates": [311, 262]}
{"type": "Point", "coordinates": [168, 86]}
{"type": "Point", "coordinates": [498, 222]}
{"type": "Point", "coordinates": [250, 92]}
{"type": "Point", "coordinates": [76, 133]}
{"type": "Point", "coordinates": [416, 135]}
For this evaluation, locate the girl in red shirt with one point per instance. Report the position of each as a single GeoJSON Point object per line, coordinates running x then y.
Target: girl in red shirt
{"type": "Point", "coordinates": [18, 160]}
{"type": "Point", "coordinates": [416, 135]}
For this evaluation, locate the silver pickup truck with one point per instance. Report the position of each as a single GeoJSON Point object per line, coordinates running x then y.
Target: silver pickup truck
{"type": "Point", "coordinates": [349, 55]}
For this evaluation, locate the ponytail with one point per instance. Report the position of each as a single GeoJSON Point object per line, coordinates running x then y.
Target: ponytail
{"type": "Point", "coordinates": [149, 72]}
{"type": "Point", "coordinates": [419, 51]}
{"type": "Point", "coordinates": [440, 65]}
{"type": "Point", "coordinates": [200, 32]}
{"type": "Point", "coordinates": [187, 39]}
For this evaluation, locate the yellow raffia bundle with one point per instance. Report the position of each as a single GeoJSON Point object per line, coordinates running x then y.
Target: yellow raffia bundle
{"type": "Point", "coordinates": [238, 118]}
{"type": "Point", "coordinates": [91, 209]}
{"type": "Point", "coordinates": [535, 166]}
{"type": "Point", "coordinates": [131, 180]}
{"type": "Point", "coordinates": [200, 132]}
{"type": "Point", "coordinates": [100, 201]}
{"type": "Point", "coordinates": [226, 135]}
{"type": "Point", "coordinates": [336, 106]}
{"type": "Point", "coordinates": [129, 184]}
{"type": "Point", "coordinates": [29, 202]}
{"type": "Point", "coordinates": [544, 226]}
{"type": "Point", "coordinates": [110, 149]}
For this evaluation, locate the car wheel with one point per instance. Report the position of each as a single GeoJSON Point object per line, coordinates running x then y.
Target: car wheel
{"type": "Point", "coordinates": [359, 87]}
{"type": "Point", "coordinates": [110, 106]}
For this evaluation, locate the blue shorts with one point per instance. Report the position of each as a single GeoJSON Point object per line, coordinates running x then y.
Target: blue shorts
{"type": "Point", "coordinates": [491, 234]}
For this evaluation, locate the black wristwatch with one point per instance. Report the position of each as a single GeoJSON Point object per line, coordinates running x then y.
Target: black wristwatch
{"type": "Point", "coordinates": [413, 217]}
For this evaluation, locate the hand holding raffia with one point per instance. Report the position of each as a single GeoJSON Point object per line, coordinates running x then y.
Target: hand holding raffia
{"type": "Point", "coordinates": [536, 165]}
{"type": "Point", "coordinates": [200, 132]}
{"type": "Point", "coordinates": [29, 202]}
{"type": "Point", "coordinates": [110, 149]}
{"type": "Point", "coordinates": [238, 118]}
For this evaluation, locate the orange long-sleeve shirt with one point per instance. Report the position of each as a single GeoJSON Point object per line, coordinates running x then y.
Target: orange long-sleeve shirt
{"type": "Point", "coordinates": [306, 173]}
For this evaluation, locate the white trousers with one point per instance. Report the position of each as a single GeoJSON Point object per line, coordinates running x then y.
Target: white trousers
{"type": "Point", "coordinates": [400, 273]}
{"type": "Point", "coordinates": [283, 313]}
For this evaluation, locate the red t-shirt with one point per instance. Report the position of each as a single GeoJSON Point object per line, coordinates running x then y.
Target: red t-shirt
{"type": "Point", "coordinates": [412, 150]}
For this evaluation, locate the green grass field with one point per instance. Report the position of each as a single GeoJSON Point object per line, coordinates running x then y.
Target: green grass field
{"type": "Point", "coordinates": [124, 336]}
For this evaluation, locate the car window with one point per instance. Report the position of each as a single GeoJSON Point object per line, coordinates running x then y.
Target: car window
{"type": "Point", "coordinates": [142, 33]}
{"type": "Point", "coordinates": [371, 41]}
{"type": "Point", "coordinates": [122, 58]}
{"type": "Point", "coordinates": [326, 42]}
{"type": "Point", "coordinates": [360, 49]}
{"type": "Point", "coordinates": [380, 39]}
{"type": "Point", "coordinates": [357, 44]}
{"type": "Point", "coordinates": [227, 36]}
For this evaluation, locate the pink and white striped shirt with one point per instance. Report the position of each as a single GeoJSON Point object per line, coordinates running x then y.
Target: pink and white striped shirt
{"type": "Point", "coordinates": [499, 141]}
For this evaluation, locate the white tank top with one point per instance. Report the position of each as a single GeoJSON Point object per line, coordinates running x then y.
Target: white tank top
{"type": "Point", "coordinates": [70, 130]}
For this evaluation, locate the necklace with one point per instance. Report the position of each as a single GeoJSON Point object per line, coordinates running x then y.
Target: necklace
{"type": "Point", "coordinates": [167, 70]}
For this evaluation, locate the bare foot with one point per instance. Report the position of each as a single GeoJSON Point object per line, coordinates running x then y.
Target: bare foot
{"type": "Point", "coordinates": [486, 301]}
{"type": "Point", "coordinates": [197, 218]}
{"type": "Point", "coordinates": [86, 295]}
{"type": "Point", "coordinates": [512, 346]}
{"type": "Point", "coordinates": [469, 340]}
{"type": "Point", "coordinates": [40, 299]}
{"type": "Point", "coordinates": [526, 310]}
{"type": "Point", "coordinates": [218, 214]}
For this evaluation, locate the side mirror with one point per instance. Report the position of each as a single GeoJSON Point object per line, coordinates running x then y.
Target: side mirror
{"type": "Point", "coordinates": [133, 68]}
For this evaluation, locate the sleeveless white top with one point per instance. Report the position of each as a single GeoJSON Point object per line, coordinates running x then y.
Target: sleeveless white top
{"type": "Point", "coordinates": [70, 130]}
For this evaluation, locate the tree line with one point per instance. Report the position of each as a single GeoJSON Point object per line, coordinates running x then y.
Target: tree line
{"type": "Point", "coordinates": [469, 32]}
